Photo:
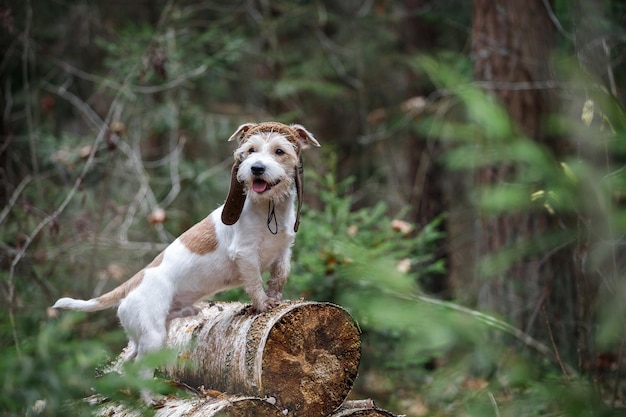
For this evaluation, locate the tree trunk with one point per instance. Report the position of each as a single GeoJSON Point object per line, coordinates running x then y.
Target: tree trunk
{"type": "Point", "coordinates": [511, 45]}
{"type": "Point", "coordinates": [303, 355]}
{"type": "Point", "coordinates": [184, 407]}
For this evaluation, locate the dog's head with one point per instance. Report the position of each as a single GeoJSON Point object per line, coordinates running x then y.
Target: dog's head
{"type": "Point", "coordinates": [267, 164]}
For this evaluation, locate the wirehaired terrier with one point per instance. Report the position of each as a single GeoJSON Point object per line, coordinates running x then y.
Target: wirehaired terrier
{"type": "Point", "coordinates": [252, 232]}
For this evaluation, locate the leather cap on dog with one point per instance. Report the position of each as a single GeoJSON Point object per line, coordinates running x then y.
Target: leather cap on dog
{"type": "Point", "coordinates": [236, 198]}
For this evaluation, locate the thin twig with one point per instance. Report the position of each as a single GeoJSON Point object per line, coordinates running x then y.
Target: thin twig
{"type": "Point", "coordinates": [176, 146]}
{"type": "Point", "coordinates": [616, 384]}
{"type": "Point", "coordinates": [144, 191]}
{"type": "Point", "coordinates": [92, 117]}
{"type": "Point", "coordinates": [513, 86]}
{"type": "Point", "coordinates": [555, 349]}
{"type": "Point", "coordinates": [28, 111]}
{"type": "Point", "coordinates": [609, 68]}
{"type": "Point", "coordinates": [494, 404]}
{"type": "Point", "coordinates": [491, 322]}
{"type": "Point", "coordinates": [555, 20]}
{"type": "Point", "coordinates": [16, 193]}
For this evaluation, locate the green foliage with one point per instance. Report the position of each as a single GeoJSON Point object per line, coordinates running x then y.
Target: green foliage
{"type": "Point", "coordinates": [49, 369]}
{"type": "Point", "coordinates": [341, 249]}
{"type": "Point", "coordinates": [546, 183]}
{"type": "Point", "coordinates": [358, 259]}
{"type": "Point", "coordinates": [51, 372]}
{"type": "Point", "coordinates": [179, 76]}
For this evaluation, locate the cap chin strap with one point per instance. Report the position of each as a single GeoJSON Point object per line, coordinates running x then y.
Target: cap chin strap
{"type": "Point", "coordinates": [299, 188]}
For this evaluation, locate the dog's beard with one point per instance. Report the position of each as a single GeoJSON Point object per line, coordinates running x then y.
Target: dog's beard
{"type": "Point", "coordinates": [261, 190]}
{"type": "Point", "coordinates": [261, 186]}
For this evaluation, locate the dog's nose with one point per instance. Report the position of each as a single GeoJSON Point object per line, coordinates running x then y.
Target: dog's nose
{"type": "Point", "coordinates": [258, 168]}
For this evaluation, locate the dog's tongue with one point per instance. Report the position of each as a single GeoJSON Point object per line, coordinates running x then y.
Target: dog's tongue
{"type": "Point", "coordinates": [259, 186]}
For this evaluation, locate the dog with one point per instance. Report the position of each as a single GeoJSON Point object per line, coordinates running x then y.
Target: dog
{"type": "Point", "coordinates": [251, 233]}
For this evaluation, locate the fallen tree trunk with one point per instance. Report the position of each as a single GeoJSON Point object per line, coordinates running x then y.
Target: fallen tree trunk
{"type": "Point", "coordinates": [302, 355]}
{"type": "Point", "coordinates": [361, 412]}
{"type": "Point", "coordinates": [360, 408]}
{"type": "Point", "coordinates": [179, 407]}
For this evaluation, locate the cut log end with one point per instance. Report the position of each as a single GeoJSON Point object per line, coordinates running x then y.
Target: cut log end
{"type": "Point", "coordinates": [311, 358]}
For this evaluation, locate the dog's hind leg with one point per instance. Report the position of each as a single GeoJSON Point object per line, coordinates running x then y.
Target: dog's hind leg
{"type": "Point", "coordinates": [145, 324]}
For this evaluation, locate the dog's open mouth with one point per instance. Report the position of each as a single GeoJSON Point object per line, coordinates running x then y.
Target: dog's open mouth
{"type": "Point", "coordinates": [260, 186]}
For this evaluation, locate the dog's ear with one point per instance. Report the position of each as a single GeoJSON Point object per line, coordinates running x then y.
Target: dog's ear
{"type": "Point", "coordinates": [240, 132]}
{"type": "Point", "coordinates": [236, 195]}
{"type": "Point", "coordinates": [305, 138]}
{"type": "Point", "coordinates": [235, 199]}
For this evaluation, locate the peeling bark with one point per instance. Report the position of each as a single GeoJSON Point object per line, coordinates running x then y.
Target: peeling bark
{"type": "Point", "coordinates": [222, 407]}
{"type": "Point", "coordinates": [303, 355]}
{"type": "Point", "coordinates": [361, 412]}
{"type": "Point", "coordinates": [360, 408]}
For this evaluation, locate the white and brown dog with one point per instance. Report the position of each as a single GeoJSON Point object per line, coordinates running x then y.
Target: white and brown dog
{"type": "Point", "coordinates": [251, 233]}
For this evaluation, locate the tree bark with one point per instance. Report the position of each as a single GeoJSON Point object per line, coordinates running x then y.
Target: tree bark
{"type": "Point", "coordinates": [303, 355]}
{"type": "Point", "coordinates": [511, 46]}
{"type": "Point", "coordinates": [234, 406]}
{"type": "Point", "coordinates": [360, 408]}
{"type": "Point", "coordinates": [179, 407]}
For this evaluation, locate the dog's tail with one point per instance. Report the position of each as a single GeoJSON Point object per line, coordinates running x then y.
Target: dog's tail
{"type": "Point", "coordinates": [81, 305]}
{"type": "Point", "coordinates": [108, 300]}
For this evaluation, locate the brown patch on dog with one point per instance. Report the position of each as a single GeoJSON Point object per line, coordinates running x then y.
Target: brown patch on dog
{"type": "Point", "coordinates": [201, 238]}
{"type": "Point", "coordinates": [115, 295]}
{"type": "Point", "coordinates": [156, 261]}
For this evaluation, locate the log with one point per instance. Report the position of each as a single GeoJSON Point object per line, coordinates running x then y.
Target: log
{"type": "Point", "coordinates": [362, 412]}
{"type": "Point", "coordinates": [179, 407]}
{"type": "Point", "coordinates": [360, 408]}
{"type": "Point", "coordinates": [303, 356]}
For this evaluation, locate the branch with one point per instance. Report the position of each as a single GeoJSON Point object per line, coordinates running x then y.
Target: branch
{"type": "Point", "coordinates": [131, 88]}
{"type": "Point", "coordinates": [555, 20]}
{"type": "Point", "coordinates": [494, 323]}
{"type": "Point", "coordinates": [16, 193]}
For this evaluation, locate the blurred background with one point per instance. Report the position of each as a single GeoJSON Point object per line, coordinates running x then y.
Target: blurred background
{"type": "Point", "coordinates": [467, 206]}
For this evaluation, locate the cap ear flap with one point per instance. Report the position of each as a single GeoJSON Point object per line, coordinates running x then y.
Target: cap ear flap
{"type": "Point", "coordinates": [299, 189]}
{"type": "Point", "coordinates": [235, 199]}
{"type": "Point", "coordinates": [241, 130]}
{"type": "Point", "coordinates": [305, 138]}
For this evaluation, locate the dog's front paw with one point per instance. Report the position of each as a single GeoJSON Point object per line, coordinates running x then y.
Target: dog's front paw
{"type": "Point", "coordinates": [266, 304]}
{"type": "Point", "coordinates": [277, 296]}
{"type": "Point", "coordinates": [274, 301]}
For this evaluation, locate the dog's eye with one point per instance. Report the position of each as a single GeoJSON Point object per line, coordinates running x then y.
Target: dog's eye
{"type": "Point", "coordinates": [279, 151]}
{"type": "Point", "coordinates": [251, 150]}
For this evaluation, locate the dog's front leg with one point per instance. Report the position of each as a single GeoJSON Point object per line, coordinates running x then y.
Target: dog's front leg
{"type": "Point", "coordinates": [253, 284]}
{"type": "Point", "coordinates": [249, 271]}
{"type": "Point", "coordinates": [279, 272]}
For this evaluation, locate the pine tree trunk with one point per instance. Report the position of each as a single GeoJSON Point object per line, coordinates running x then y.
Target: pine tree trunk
{"type": "Point", "coordinates": [302, 355]}
{"type": "Point", "coordinates": [512, 45]}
